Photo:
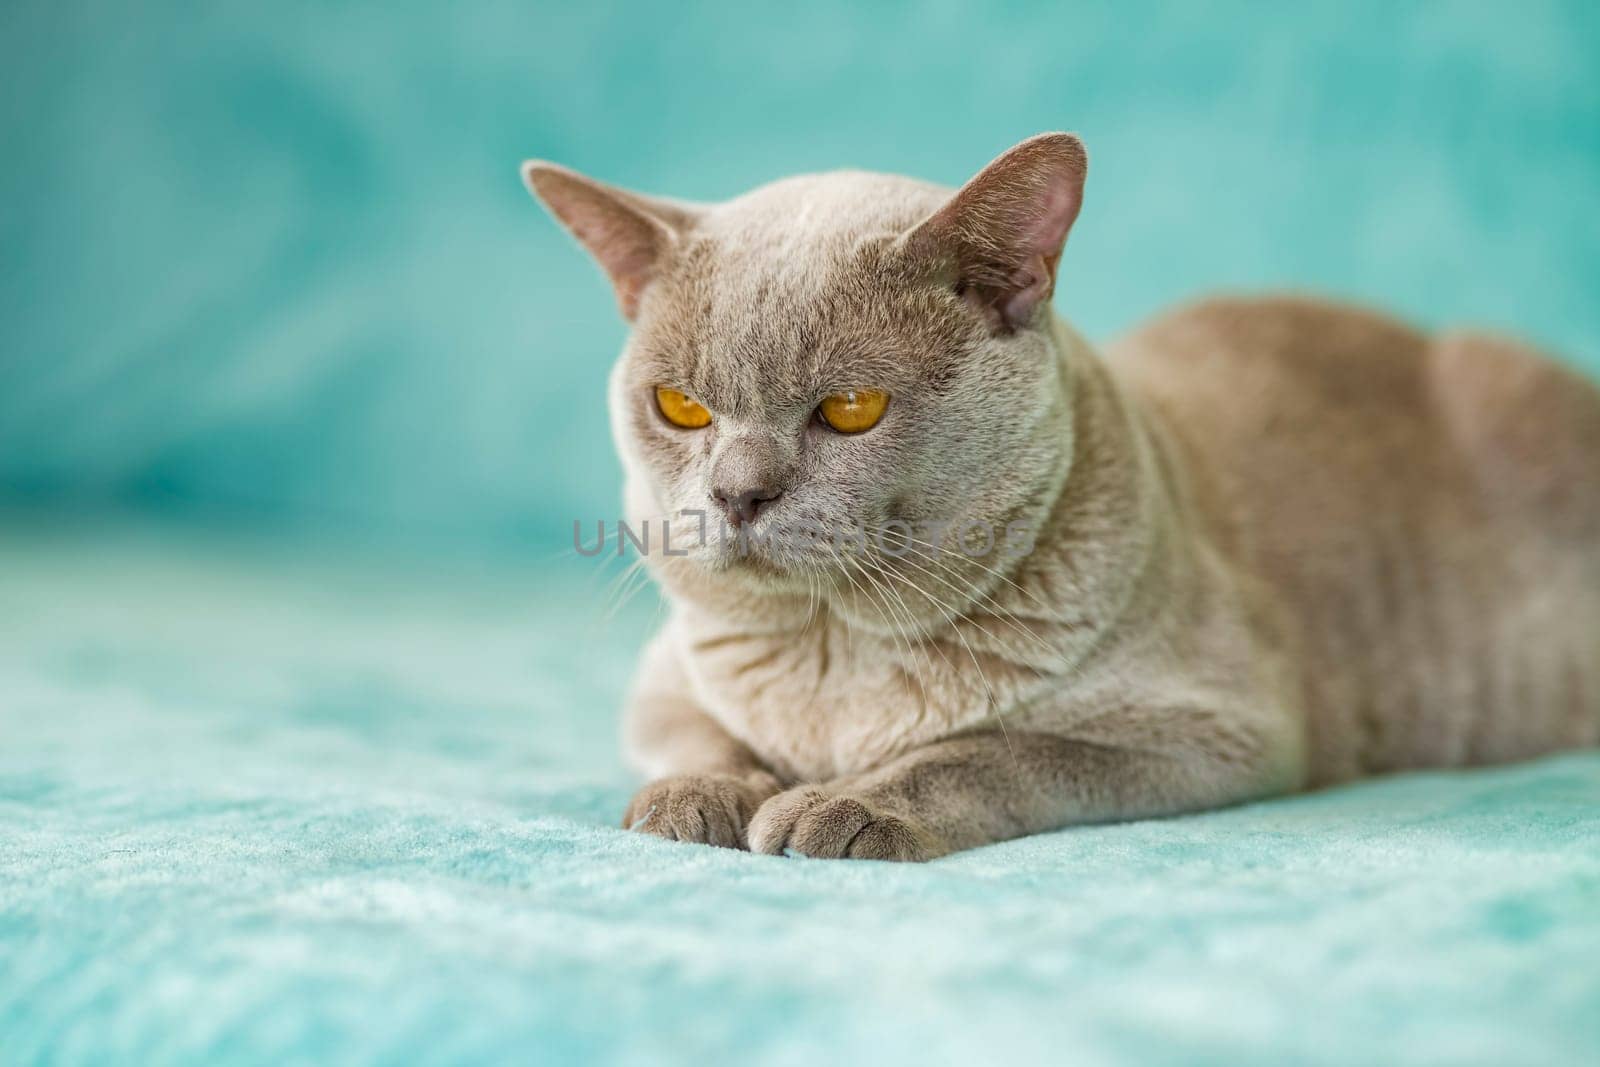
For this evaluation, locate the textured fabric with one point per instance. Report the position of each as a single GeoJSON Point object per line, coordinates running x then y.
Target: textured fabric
{"type": "Point", "coordinates": [255, 812]}
{"type": "Point", "coordinates": [273, 260]}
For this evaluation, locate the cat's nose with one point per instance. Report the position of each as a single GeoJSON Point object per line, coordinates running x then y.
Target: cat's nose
{"type": "Point", "coordinates": [743, 505]}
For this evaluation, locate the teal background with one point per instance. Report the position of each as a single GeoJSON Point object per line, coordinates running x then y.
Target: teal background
{"type": "Point", "coordinates": [308, 751]}
{"type": "Point", "coordinates": [271, 264]}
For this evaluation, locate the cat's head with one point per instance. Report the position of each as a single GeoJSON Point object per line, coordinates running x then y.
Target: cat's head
{"type": "Point", "coordinates": [839, 355]}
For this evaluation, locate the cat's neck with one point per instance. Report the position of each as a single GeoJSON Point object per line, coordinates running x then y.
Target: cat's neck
{"type": "Point", "coordinates": [1110, 536]}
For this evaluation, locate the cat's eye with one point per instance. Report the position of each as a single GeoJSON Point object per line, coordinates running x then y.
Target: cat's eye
{"type": "Point", "coordinates": [680, 410]}
{"type": "Point", "coordinates": [854, 410]}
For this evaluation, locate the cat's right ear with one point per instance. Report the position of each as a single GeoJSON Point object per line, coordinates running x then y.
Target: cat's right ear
{"type": "Point", "coordinates": [627, 233]}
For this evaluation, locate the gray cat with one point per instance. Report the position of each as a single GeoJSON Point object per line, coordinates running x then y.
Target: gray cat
{"type": "Point", "coordinates": [1272, 543]}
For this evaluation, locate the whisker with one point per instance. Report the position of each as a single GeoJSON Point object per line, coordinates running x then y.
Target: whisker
{"type": "Point", "coordinates": [994, 607]}
{"type": "Point", "coordinates": [624, 588]}
{"type": "Point", "coordinates": [922, 640]}
{"type": "Point", "coordinates": [1050, 613]}
{"type": "Point", "coordinates": [955, 628]}
{"type": "Point", "coordinates": [890, 617]}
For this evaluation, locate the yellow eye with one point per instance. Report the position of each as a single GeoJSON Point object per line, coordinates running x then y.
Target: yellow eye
{"type": "Point", "coordinates": [679, 410]}
{"type": "Point", "coordinates": [854, 411]}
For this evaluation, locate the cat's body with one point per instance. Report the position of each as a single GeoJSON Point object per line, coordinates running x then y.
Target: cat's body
{"type": "Point", "coordinates": [1276, 543]}
{"type": "Point", "coordinates": [1422, 512]}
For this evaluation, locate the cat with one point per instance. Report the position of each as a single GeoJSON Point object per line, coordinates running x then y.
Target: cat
{"type": "Point", "coordinates": [1276, 543]}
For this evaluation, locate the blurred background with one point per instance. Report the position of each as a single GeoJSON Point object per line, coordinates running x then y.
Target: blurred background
{"type": "Point", "coordinates": [308, 711]}
{"type": "Point", "coordinates": [269, 267]}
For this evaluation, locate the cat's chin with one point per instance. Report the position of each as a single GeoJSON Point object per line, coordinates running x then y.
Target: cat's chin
{"type": "Point", "coordinates": [759, 564]}
{"type": "Point", "coordinates": [745, 570]}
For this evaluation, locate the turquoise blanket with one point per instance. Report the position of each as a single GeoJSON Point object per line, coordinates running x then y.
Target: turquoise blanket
{"type": "Point", "coordinates": [255, 811]}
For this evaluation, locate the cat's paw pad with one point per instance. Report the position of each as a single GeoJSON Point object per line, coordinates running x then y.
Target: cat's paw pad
{"type": "Point", "coordinates": [814, 823]}
{"type": "Point", "coordinates": [708, 809]}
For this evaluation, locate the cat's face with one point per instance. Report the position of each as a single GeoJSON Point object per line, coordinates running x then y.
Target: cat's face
{"type": "Point", "coordinates": [845, 384]}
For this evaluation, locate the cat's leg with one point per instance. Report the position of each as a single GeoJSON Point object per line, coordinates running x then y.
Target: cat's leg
{"type": "Point", "coordinates": [707, 785]}
{"type": "Point", "coordinates": [710, 785]}
{"type": "Point", "coordinates": [983, 787]}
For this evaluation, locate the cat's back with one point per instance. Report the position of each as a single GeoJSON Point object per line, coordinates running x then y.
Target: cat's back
{"type": "Point", "coordinates": [1329, 402]}
{"type": "Point", "coordinates": [1426, 506]}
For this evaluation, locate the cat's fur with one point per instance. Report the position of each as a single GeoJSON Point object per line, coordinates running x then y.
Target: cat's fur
{"type": "Point", "coordinates": [1279, 542]}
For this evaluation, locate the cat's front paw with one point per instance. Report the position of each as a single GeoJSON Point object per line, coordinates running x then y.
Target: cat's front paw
{"type": "Point", "coordinates": [821, 825]}
{"type": "Point", "coordinates": [709, 809]}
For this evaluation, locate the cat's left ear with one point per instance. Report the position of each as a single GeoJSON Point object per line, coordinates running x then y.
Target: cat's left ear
{"type": "Point", "coordinates": [628, 234]}
{"type": "Point", "coordinates": [999, 239]}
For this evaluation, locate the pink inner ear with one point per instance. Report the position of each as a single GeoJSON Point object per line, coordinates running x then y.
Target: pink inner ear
{"type": "Point", "coordinates": [1051, 216]}
{"type": "Point", "coordinates": [1033, 284]}
{"type": "Point", "coordinates": [1006, 227]}
{"type": "Point", "coordinates": [626, 233]}
{"type": "Point", "coordinates": [1042, 221]}
{"type": "Point", "coordinates": [624, 244]}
